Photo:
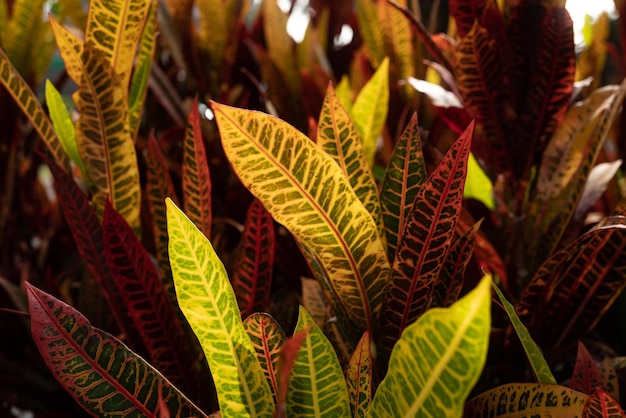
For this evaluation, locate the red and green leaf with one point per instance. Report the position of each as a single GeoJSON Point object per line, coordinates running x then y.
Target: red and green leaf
{"type": "Point", "coordinates": [359, 377]}
{"type": "Point", "coordinates": [425, 243]}
{"type": "Point", "coordinates": [252, 272]}
{"type": "Point", "coordinates": [586, 377]}
{"type": "Point", "coordinates": [196, 176]}
{"type": "Point", "coordinates": [100, 372]}
{"type": "Point", "coordinates": [286, 361]}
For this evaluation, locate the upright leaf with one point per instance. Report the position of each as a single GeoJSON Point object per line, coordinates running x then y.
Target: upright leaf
{"type": "Point", "coordinates": [196, 176]}
{"type": "Point", "coordinates": [21, 34]}
{"type": "Point", "coordinates": [586, 377]}
{"type": "Point", "coordinates": [369, 111]}
{"type": "Point", "coordinates": [305, 190]}
{"type": "Point", "coordinates": [465, 13]}
{"type": "Point", "coordinates": [317, 387]}
{"type": "Point", "coordinates": [601, 405]}
{"type": "Point", "coordinates": [359, 377]}
{"type": "Point", "coordinates": [405, 174]}
{"type": "Point", "coordinates": [422, 250]}
{"type": "Point", "coordinates": [267, 339]}
{"type": "Point", "coordinates": [280, 45]}
{"type": "Point", "coordinates": [370, 29]}
{"type": "Point", "coordinates": [208, 301]}
{"type": "Point", "coordinates": [398, 40]}
{"type": "Point", "coordinates": [252, 272]}
{"type": "Point", "coordinates": [438, 359]}
{"type": "Point", "coordinates": [100, 372]}
{"type": "Point", "coordinates": [338, 137]}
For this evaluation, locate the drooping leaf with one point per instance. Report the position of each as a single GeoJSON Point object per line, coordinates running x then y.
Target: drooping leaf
{"type": "Point", "coordinates": [406, 172]}
{"type": "Point", "coordinates": [596, 185]}
{"type": "Point", "coordinates": [196, 176]}
{"type": "Point", "coordinates": [586, 377]}
{"type": "Point", "coordinates": [601, 405]}
{"type": "Point", "coordinates": [540, 367]}
{"type": "Point", "coordinates": [101, 373]}
{"type": "Point", "coordinates": [87, 232]}
{"type": "Point", "coordinates": [30, 106]}
{"type": "Point", "coordinates": [526, 399]}
{"type": "Point", "coordinates": [253, 269]}
{"type": "Point", "coordinates": [148, 304]}
{"type": "Point", "coordinates": [575, 286]}
{"type": "Point", "coordinates": [425, 243]}
{"type": "Point", "coordinates": [267, 339]}
{"type": "Point", "coordinates": [359, 377]}
{"type": "Point", "coordinates": [437, 360]}
{"type": "Point", "coordinates": [317, 387]}
{"type": "Point", "coordinates": [369, 111]}
{"type": "Point", "coordinates": [465, 13]}
{"type": "Point", "coordinates": [305, 190]}
{"type": "Point", "coordinates": [114, 27]}
{"type": "Point", "coordinates": [338, 137]}
{"type": "Point", "coordinates": [209, 304]}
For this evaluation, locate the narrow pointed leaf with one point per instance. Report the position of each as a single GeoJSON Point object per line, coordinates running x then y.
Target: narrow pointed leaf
{"type": "Point", "coordinates": [280, 45]}
{"type": "Point", "coordinates": [267, 339]}
{"type": "Point", "coordinates": [317, 387]}
{"type": "Point", "coordinates": [586, 377]}
{"type": "Point", "coordinates": [540, 367]}
{"type": "Point", "coordinates": [338, 137]}
{"type": "Point", "coordinates": [100, 372]}
{"type": "Point", "coordinates": [196, 176]}
{"type": "Point", "coordinates": [359, 377]}
{"type": "Point", "coordinates": [148, 304]}
{"type": "Point", "coordinates": [398, 41]}
{"type": "Point", "coordinates": [208, 301]}
{"type": "Point", "coordinates": [601, 405]}
{"type": "Point", "coordinates": [540, 400]}
{"type": "Point", "coordinates": [438, 359]}
{"type": "Point", "coordinates": [26, 20]}
{"type": "Point", "coordinates": [609, 378]}
{"type": "Point", "coordinates": [369, 111]}
{"type": "Point", "coordinates": [114, 27]}
{"type": "Point", "coordinates": [465, 13]}
{"type": "Point", "coordinates": [252, 272]}
{"type": "Point", "coordinates": [286, 362]}
{"type": "Point", "coordinates": [425, 242]}
{"type": "Point", "coordinates": [71, 50]}
{"type": "Point", "coordinates": [305, 190]}
{"type": "Point", "coordinates": [314, 301]}
{"type": "Point", "coordinates": [405, 174]}
{"type": "Point", "coordinates": [30, 106]}
{"type": "Point", "coordinates": [371, 31]}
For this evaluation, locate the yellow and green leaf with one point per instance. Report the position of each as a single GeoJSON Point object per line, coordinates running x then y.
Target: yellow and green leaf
{"type": "Point", "coordinates": [280, 45]}
{"type": "Point", "coordinates": [305, 190]}
{"type": "Point", "coordinates": [359, 377]}
{"type": "Point", "coordinates": [20, 40]}
{"type": "Point", "coordinates": [369, 111]}
{"type": "Point", "coordinates": [317, 387]}
{"type": "Point", "coordinates": [438, 359]}
{"type": "Point", "coordinates": [208, 301]}
{"type": "Point", "coordinates": [371, 31]}
{"type": "Point", "coordinates": [339, 138]}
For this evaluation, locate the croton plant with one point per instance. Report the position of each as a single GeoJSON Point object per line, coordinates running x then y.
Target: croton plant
{"type": "Point", "coordinates": [201, 216]}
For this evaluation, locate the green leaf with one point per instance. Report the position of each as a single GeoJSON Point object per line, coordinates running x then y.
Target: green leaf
{"type": "Point", "coordinates": [208, 302]}
{"type": "Point", "coordinates": [359, 377]}
{"type": "Point", "coordinates": [63, 125]}
{"type": "Point", "coordinates": [437, 360]}
{"type": "Point", "coordinates": [101, 373]}
{"type": "Point", "coordinates": [305, 190]}
{"type": "Point", "coordinates": [478, 185]}
{"type": "Point", "coordinates": [317, 387]}
{"type": "Point", "coordinates": [540, 367]}
{"type": "Point", "coordinates": [267, 339]}
{"type": "Point", "coordinates": [21, 33]}
{"type": "Point", "coordinates": [338, 137]}
{"type": "Point", "coordinates": [369, 111]}
{"type": "Point", "coordinates": [541, 400]}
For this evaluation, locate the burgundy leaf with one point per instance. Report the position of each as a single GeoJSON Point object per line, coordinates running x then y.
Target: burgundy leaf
{"type": "Point", "coordinates": [586, 377]}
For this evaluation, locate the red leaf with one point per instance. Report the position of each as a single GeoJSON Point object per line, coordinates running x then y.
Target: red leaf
{"type": "Point", "coordinates": [100, 372]}
{"type": "Point", "coordinates": [602, 405]}
{"type": "Point", "coordinates": [196, 177]}
{"type": "Point", "coordinates": [425, 242]}
{"type": "Point", "coordinates": [465, 13]}
{"type": "Point", "coordinates": [288, 355]}
{"type": "Point", "coordinates": [252, 275]}
{"type": "Point", "coordinates": [87, 232]}
{"type": "Point", "coordinates": [149, 306]}
{"type": "Point", "coordinates": [586, 377]}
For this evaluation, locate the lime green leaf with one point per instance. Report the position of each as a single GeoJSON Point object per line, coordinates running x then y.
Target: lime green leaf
{"type": "Point", "coordinates": [477, 184]}
{"type": "Point", "coordinates": [344, 93]}
{"type": "Point", "coordinates": [305, 190]}
{"type": "Point", "coordinates": [317, 387]}
{"type": "Point", "coordinates": [369, 111]}
{"type": "Point", "coordinates": [437, 360]}
{"type": "Point", "coordinates": [267, 339]}
{"type": "Point", "coordinates": [359, 377]}
{"type": "Point", "coordinates": [208, 302]}
{"type": "Point", "coordinates": [339, 138]}
{"type": "Point", "coordinates": [543, 400]}
{"type": "Point", "coordinates": [540, 367]}
{"type": "Point", "coordinates": [63, 125]}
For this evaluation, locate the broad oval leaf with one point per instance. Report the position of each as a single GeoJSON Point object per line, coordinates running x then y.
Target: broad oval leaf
{"type": "Point", "coordinates": [209, 304]}
{"type": "Point", "coordinates": [437, 360]}
{"type": "Point", "coordinates": [101, 373]}
{"type": "Point", "coordinates": [526, 399]}
{"type": "Point", "coordinates": [317, 387]}
{"type": "Point", "coordinates": [305, 190]}
{"type": "Point", "coordinates": [359, 377]}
